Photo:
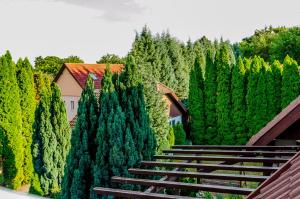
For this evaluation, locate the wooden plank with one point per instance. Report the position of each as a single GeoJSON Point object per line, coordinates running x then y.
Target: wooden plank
{"type": "Point", "coordinates": [210, 166]}
{"type": "Point", "coordinates": [181, 185]}
{"type": "Point", "coordinates": [233, 147]}
{"type": "Point", "coordinates": [220, 176]}
{"type": "Point", "coordinates": [230, 152]}
{"type": "Point", "coordinates": [222, 158]}
{"type": "Point", "coordinates": [136, 194]}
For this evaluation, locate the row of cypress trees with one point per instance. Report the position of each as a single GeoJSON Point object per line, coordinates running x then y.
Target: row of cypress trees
{"type": "Point", "coordinates": [231, 101]}
{"type": "Point", "coordinates": [34, 129]}
{"type": "Point", "coordinates": [110, 136]}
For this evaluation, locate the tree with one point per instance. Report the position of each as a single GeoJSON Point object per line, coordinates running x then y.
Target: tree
{"type": "Point", "coordinates": [78, 172]}
{"type": "Point", "coordinates": [28, 105]}
{"type": "Point", "coordinates": [135, 110]}
{"type": "Point", "coordinates": [110, 158]}
{"type": "Point", "coordinates": [11, 124]}
{"type": "Point", "coordinates": [251, 95]}
{"type": "Point", "coordinates": [41, 81]}
{"type": "Point", "coordinates": [274, 81]}
{"type": "Point", "coordinates": [180, 135]}
{"type": "Point", "coordinates": [73, 59]}
{"type": "Point", "coordinates": [290, 81]}
{"type": "Point", "coordinates": [223, 62]}
{"type": "Point", "coordinates": [238, 92]}
{"type": "Point", "coordinates": [196, 102]}
{"type": "Point", "coordinates": [49, 65]}
{"type": "Point", "coordinates": [210, 98]}
{"type": "Point", "coordinates": [110, 59]}
{"type": "Point", "coordinates": [51, 143]}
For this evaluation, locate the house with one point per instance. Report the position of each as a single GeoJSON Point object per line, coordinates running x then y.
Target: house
{"type": "Point", "coordinates": [284, 129]}
{"type": "Point", "coordinates": [71, 80]}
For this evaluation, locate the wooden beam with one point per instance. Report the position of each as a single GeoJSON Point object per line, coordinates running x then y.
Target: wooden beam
{"type": "Point", "coordinates": [230, 152]}
{"type": "Point", "coordinates": [210, 166]}
{"type": "Point", "coordinates": [223, 158]}
{"type": "Point", "coordinates": [135, 194]}
{"type": "Point", "coordinates": [234, 147]}
{"type": "Point", "coordinates": [180, 185]}
{"type": "Point", "coordinates": [180, 174]}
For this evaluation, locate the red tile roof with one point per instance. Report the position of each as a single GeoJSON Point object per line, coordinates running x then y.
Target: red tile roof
{"type": "Point", "coordinates": [283, 184]}
{"type": "Point", "coordinates": [278, 125]}
{"type": "Point", "coordinates": [80, 72]}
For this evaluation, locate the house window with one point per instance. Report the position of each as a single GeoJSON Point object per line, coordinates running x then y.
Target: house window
{"type": "Point", "coordinates": [72, 105]}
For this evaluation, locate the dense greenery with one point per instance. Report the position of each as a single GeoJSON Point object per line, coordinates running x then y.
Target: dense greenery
{"type": "Point", "coordinates": [110, 59]}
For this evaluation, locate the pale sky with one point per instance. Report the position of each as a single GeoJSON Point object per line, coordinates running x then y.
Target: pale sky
{"type": "Point", "coordinates": [92, 28]}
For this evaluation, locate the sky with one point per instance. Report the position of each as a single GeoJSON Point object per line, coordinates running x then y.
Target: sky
{"type": "Point", "coordinates": [92, 28]}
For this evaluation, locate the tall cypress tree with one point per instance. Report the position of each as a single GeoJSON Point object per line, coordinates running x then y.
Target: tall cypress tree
{"type": "Point", "coordinates": [238, 92]}
{"type": "Point", "coordinates": [274, 80]}
{"type": "Point", "coordinates": [196, 103]}
{"type": "Point", "coordinates": [28, 105]}
{"type": "Point", "coordinates": [210, 93]}
{"type": "Point", "coordinates": [290, 81]}
{"type": "Point", "coordinates": [261, 112]}
{"type": "Point", "coordinates": [251, 102]}
{"type": "Point", "coordinates": [51, 143]}
{"type": "Point", "coordinates": [78, 172]}
{"type": "Point", "coordinates": [10, 123]}
{"type": "Point", "coordinates": [223, 107]}
{"type": "Point", "coordinates": [135, 111]}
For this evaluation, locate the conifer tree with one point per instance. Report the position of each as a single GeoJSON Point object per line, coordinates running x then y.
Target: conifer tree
{"type": "Point", "coordinates": [10, 123]}
{"type": "Point", "coordinates": [28, 105]}
{"type": "Point", "coordinates": [78, 172]}
{"type": "Point", "coordinates": [251, 95]}
{"type": "Point", "coordinates": [210, 97]}
{"type": "Point", "coordinates": [135, 110]}
{"type": "Point", "coordinates": [290, 81]}
{"type": "Point", "coordinates": [196, 102]}
{"type": "Point", "coordinates": [51, 143]}
{"type": "Point", "coordinates": [238, 92]}
{"type": "Point", "coordinates": [223, 107]}
{"type": "Point", "coordinates": [274, 80]}
{"type": "Point", "coordinates": [261, 115]}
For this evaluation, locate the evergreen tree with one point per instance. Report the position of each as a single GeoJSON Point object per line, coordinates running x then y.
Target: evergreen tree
{"type": "Point", "coordinates": [223, 62]}
{"type": "Point", "coordinates": [261, 113]}
{"type": "Point", "coordinates": [274, 80]}
{"type": "Point", "coordinates": [251, 95]}
{"type": "Point", "coordinates": [196, 102]}
{"type": "Point", "coordinates": [290, 81]}
{"type": "Point", "coordinates": [135, 111]}
{"type": "Point", "coordinates": [28, 105]}
{"type": "Point", "coordinates": [78, 172]}
{"type": "Point", "coordinates": [238, 92]}
{"type": "Point", "coordinates": [51, 143]}
{"type": "Point", "coordinates": [180, 135]}
{"type": "Point", "coordinates": [210, 94]}
{"type": "Point", "coordinates": [10, 123]}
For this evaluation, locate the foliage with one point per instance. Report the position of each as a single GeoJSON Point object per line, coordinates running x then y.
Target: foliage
{"type": "Point", "coordinates": [11, 124]}
{"type": "Point", "coordinates": [180, 135]}
{"type": "Point", "coordinates": [110, 59]}
{"type": "Point", "coordinates": [171, 137]}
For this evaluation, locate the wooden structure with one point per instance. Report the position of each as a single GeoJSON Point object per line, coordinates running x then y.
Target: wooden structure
{"type": "Point", "coordinates": [209, 165]}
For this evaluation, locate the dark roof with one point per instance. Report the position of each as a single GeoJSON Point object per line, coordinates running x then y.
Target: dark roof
{"type": "Point", "coordinates": [171, 94]}
{"type": "Point", "coordinates": [278, 125]}
{"type": "Point", "coordinates": [80, 72]}
{"type": "Point", "coordinates": [283, 184]}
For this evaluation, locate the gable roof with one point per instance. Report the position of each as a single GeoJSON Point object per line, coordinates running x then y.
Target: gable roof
{"type": "Point", "coordinates": [169, 92]}
{"type": "Point", "coordinates": [278, 125]}
{"type": "Point", "coordinates": [284, 183]}
{"type": "Point", "coordinates": [80, 72]}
